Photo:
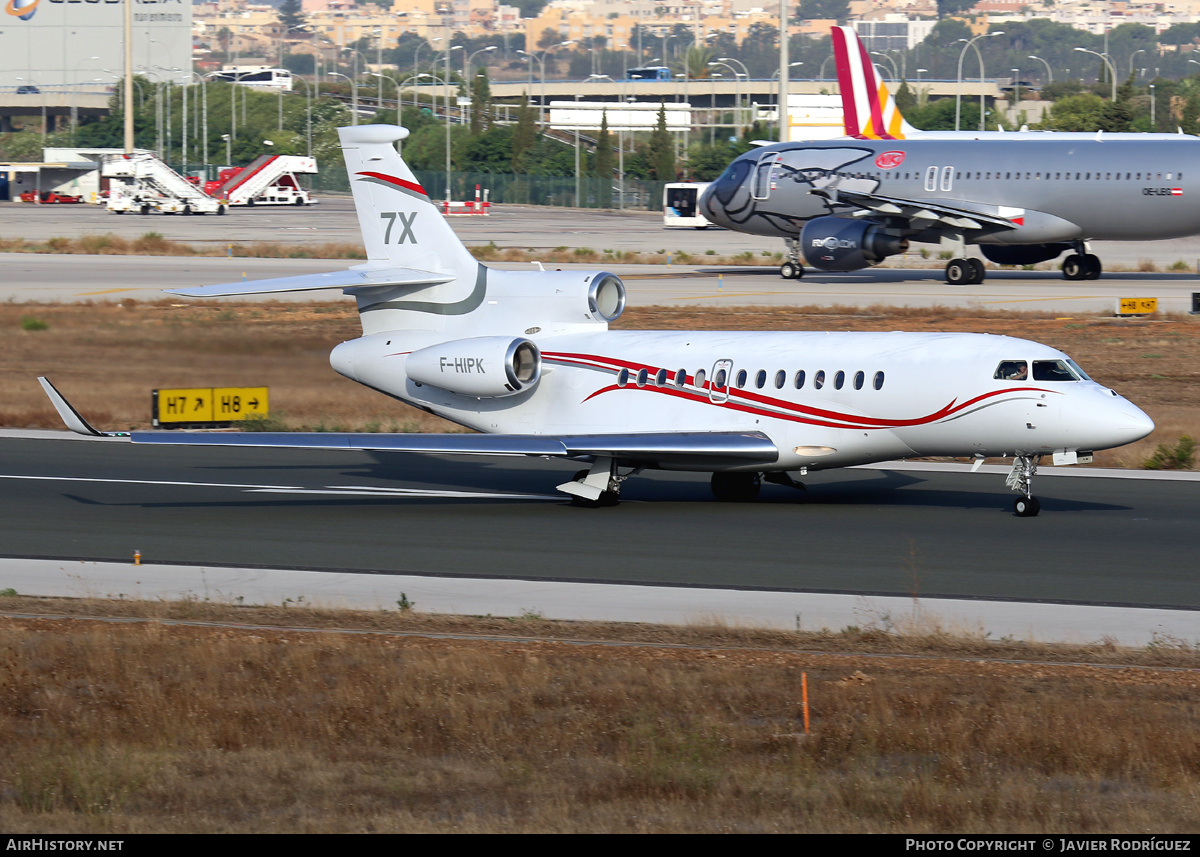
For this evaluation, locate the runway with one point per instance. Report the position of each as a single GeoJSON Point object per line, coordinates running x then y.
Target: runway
{"type": "Point", "coordinates": [861, 536]}
{"type": "Point", "coordinates": [48, 278]}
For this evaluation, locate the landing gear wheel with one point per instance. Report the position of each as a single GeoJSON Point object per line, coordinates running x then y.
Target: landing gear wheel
{"type": "Point", "coordinates": [978, 271]}
{"type": "Point", "coordinates": [1073, 267]}
{"type": "Point", "coordinates": [791, 271]}
{"type": "Point", "coordinates": [736, 487]}
{"type": "Point", "coordinates": [1092, 267]}
{"type": "Point", "coordinates": [1026, 507]}
{"type": "Point", "coordinates": [959, 272]}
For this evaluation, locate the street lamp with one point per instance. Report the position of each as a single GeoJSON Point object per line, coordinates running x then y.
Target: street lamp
{"type": "Point", "coordinates": [1132, 57]}
{"type": "Point", "coordinates": [1049, 71]}
{"type": "Point", "coordinates": [891, 62]}
{"type": "Point", "coordinates": [228, 150]}
{"type": "Point", "coordinates": [1112, 70]}
{"type": "Point", "coordinates": [958, 94]}
{"type": "Point", "coordinates": [307, 110]}
{"type": "Point", "coordinates": [1016, 93]}
{"type": "Point", "coordinates": [1153, 124]}
{"type": "Point", "coordinates": [467, 64]}
{"type": "Point", "coordinates": [353, 93]}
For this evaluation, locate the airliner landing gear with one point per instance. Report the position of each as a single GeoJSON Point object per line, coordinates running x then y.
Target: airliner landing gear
{"type": "Point", "coordinates": [736, 487]}
{"type": "Point", "coordinates": [1082, 267]}
{"type": "Point", "coordinates": [965, 272]}
{"type": "Point", "coordinates": [1020, 479]}
{"type": "Point", "coordinates": [792, 269]}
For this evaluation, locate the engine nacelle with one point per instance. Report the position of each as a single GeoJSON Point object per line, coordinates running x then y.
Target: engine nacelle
{"type": "Point", "coordinates": [841, 244]}
{"type": "Point", "coordinates": [485, 367]}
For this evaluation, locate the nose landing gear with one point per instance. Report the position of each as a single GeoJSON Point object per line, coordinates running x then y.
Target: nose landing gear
{"type": "Point", "coordinates": [1020, 479]}
{"type": "Point", "coordinates": [792, 269]}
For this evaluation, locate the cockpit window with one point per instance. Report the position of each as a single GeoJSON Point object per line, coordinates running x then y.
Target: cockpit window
{"type": "Point", "coordinates": [1083, 376]}
{"type": "Point", "coordinates": [1053, 370]}
{"type": "Point", "coordinates": [1012, 370]}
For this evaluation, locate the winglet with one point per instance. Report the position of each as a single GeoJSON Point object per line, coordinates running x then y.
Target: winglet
{"type": "Point", "coordinates": [70, 416]}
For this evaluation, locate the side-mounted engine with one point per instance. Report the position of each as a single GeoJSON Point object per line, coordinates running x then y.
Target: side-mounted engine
{"type": "Point", "coordinates": [484, 366]}
{"type": "Point", "coordinates": [841, 244]}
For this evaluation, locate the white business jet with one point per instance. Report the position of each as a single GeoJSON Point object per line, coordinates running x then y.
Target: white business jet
{"type": "Point", "coordinates": [527, 359]}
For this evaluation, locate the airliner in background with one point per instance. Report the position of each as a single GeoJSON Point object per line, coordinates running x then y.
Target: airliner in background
{"type": "Point", "coordinates": [1021, 197]}
{"type": "Point", "coordinates": [527, 359]}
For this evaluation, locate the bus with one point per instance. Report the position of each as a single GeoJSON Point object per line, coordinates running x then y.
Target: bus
{"type": "Point", "coordinates": [680, 205]}
{"type": "Point", "coordinates": [654, 72]}
{"type": "Point", "coordinates": [268, 79]}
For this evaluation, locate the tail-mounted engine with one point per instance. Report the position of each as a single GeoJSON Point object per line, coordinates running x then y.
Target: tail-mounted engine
{"type": "Point", "coordinates": [484, 367]}
{"type": "Point", "coordinates": [841, 244]}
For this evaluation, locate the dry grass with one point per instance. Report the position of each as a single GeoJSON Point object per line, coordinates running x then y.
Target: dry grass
{"type": "Point", "coordinates": [149, 727]}
{"type": "Point", "coordinates": [107, 357]}
{"type": "Point", "coordinates": [154, 244]}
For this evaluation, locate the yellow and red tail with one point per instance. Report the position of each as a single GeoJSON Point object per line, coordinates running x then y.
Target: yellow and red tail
{"type": "Point", "coordinates": [869, 111]}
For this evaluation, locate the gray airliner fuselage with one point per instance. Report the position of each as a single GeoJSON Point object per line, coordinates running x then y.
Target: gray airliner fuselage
{"type": "Point", "coordinates": [1021, 200]}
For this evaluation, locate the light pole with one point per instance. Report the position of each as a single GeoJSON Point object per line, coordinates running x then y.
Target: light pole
{"type": "Point", "coordinates": [354, 88]}
{"type": "Point", "coordinates": [417, 52]}
{"type": "Point", "coordinates": [228, 150]}
{"type": "Point", "coordinates": [417, 78]}
{"type": "Point", "coordinates": [395, 83]}
{"type": "Point", "coordinates": [1016, 93]}
{"type": "Point", "coordinates": [891, 63]}
{"type": "Point", "coordinates": [958, 94]}
{"type": "Point", "coordinates": [1132, 57]}
{"type": "Point", "coordinates": [1153, 124]}
{"type": "Point", "coordinates": [353, 93]}
{"type": "Point", "coordinates": [1049, 71]}
{"type": "Point", "coordinates": [1112, 71]}
{"type": "Point", "coordinates": [75, 98]}
{"type": "Point", "coordinates": [307, 110]}
{"type": "Point", "coordinates": [467, 64]}
{"type": "Point", "coordinates": [920, 88]}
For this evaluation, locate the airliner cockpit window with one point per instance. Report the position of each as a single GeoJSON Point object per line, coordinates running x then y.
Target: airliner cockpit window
{"type": "Point", "coordinates": [1052, 370]}
{"type": "Point", "coordinates": [1012, 370]}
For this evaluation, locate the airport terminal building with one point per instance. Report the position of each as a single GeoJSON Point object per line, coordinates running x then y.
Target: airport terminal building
{"type": "Point", "coordinates": [53, 47]}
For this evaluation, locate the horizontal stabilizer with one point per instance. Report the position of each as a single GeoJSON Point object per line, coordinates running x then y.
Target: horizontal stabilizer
{"type": "Point", "coordinates": [311, 282]}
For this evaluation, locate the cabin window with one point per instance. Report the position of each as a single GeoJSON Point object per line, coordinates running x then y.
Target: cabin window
{"type": "Point", "coordinates": [799, 379]}
{"type": "Point", "coordinates": [741, 379]}
{"type": "Point", "coordinates": [680, 378]}
{"type": "Point", "coordinates": [641, 378]}
{"type": "Point", "coordinates": [1012, 370]}
{"type": "Point", "coordinates": [760, 380]}
{"type": "Point", "coordinates": [859, 378]}
{"type": "Point", "coordinates": [622, 377]}
{"type": "Point", "coordinates": [1052, 370]}
{"type": "Point", "coordinates": [719, 379]}
{"type": "Point", "coordinates": [819, 379]}
{"type": "Point", "coordinates": [699, 376]}
{"type": "Point", "coordinates": [878, 380]}
{"type": "Point", "coordinates": [660, 378]}
{"type": "Point", "coordinates": [839, 379]}
{"type": "Point", "coordinates": [780, 379]}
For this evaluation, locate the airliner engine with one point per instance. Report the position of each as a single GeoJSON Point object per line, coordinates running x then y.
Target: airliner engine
{"type": "Point", "coordinates": [841, 244]}
{"type": "Point", "coordinates": [485, 367]}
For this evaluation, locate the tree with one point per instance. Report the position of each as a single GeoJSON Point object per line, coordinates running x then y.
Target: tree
{"type": "Point", "coordinates": [662, 149]}
{"type": "Point", "coordinates": [481, 103]}
{"type": "Point", "coordinates": [602, 163]}
{"type": "Point", "coordinates": [291, 16]}
{"type": "Point", "coordinates": [946, 8]}
{"type": "Point", "coordinates": [835, 9]}
{"type": "Point", "coordinates": [524, 136]}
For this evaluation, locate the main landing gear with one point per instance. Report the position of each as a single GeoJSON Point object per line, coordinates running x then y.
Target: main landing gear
{"type": "Point", "coordinates": [1020, 479]}
{"type": "Point", "coordinates": [1084, 266]}
{"type": "Point", "coordinates": [965, 272]}
{"type": "Point", "coordinates": [792, 269]}
{"type": "Point", "coordinates": [744, 487]}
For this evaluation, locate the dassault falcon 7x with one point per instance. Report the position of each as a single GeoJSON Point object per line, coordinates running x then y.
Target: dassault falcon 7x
{"type": "Point", "coordinates": [1023, 197]}
{"type": "Point", "coordinates": [527, 359]}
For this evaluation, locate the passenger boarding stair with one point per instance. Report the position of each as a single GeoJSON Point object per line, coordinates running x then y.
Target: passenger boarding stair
{"type": "Point", "coordinates": [268, 180]}
{"type": "Point", "coordinates": [144, 184]}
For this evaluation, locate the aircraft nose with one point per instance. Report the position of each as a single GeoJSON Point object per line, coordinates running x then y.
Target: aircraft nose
{"type": "Point", "coordinates": [726, 193]}
{"type": "Point", "coordinates": [1117, 423]}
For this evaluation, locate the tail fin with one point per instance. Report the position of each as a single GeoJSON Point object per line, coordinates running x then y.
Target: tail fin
{"type": "Point", "coordinates": [401, 226]}
{"type": "Point", "coordinates": [869, 111]}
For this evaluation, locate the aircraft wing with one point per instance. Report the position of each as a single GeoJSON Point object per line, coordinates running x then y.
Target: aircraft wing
{"type": "Point", "coordinates": [920, 213]}
{"type": "Point", "coordinates": [717, 448]}
{"type": "Point", "coordinates": [697, 447]}
{"type": "Point", "coordinates": [312, 282]}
